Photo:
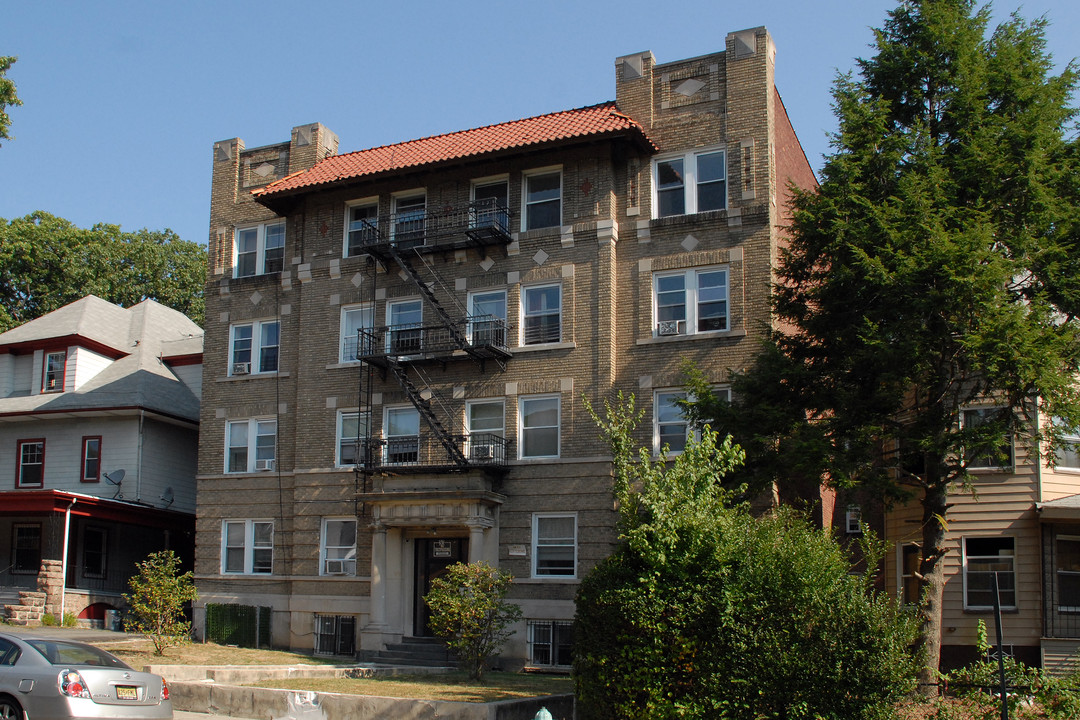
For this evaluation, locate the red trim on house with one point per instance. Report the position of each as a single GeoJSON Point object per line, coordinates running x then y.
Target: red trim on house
{"type": "Point", "coordinates": [178, 360]}
{"type": "Point", "coordinates": [18, 461]}
{"type": "Point", "coordinates": [48, 502]}
{"type": "Point", "coordinates": [62, 343]}
{"type": "Point", "coordinates": [96, 477]}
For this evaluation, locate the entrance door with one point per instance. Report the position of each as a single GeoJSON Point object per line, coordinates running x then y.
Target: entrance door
{"type": "Point", "coordinates": [433, 556]}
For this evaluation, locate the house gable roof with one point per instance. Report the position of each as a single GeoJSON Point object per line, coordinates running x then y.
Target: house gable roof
{"type": "Point", "coordinates": [595, 121]}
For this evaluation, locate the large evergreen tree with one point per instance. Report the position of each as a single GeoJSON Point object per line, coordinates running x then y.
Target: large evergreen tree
{"type": "Point", "coordinates": [936, 268]}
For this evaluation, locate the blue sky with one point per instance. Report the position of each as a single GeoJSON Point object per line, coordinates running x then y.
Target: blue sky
{"type": "Point", "coordinates": [124, 100]}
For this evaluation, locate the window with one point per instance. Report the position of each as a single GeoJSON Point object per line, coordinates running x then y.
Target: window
{"type": "Point", "coordinates": [361, 226]}
{"type": "Point", "coordinates": [982, 558]}
{"type": "Point", "coordinates": [335, 635]}
{"type": "Point", "coordinates": [1067, 560]}
{"type": "Point", "coordinates": [550, 643]}
{"type": "Point", "coordinates": [490, 205]}
{"type": "Point", "coordinates": [853, 520]}
{"type": "Point", "coordinates": [689, 184]}
{"type": "Point", "coordinates": [410, 220]}
{"type": "Point", "coordinates": [406, 321]}
{"type": "Point", "coordinates": [541, 310]}
{"type": "Point", "coordinates": [485, 425]}
{"type": "Point", "coordinates": [402, 435]}
{"type": "Point", "coordinates": [487, 318]}
{"type": "Point", "coordinates": [30, 465]}
{"type": "Point", "coordinates": [9, 652]}
{"type": "Point", "coordinates": [352, 438]}
{"type": "Point", "coordinates": [1068, 452]}
{"type": "Point", "coordinates": [91, 459]}
{"type": "Point", "coordinates": [250, 445]}
{"type": "Point", "coordinates": [354, 318]}
{"type": "Point", "coordinates": [247, 547]}
{"type": "Point", "coordinates": [260, 250]}
{"type": "Point", "coordinates": [26, 549]}
{"type": "Point", "coordinates": [52, 379]}
{"type": "Point", "coordinates": [972, 419]}
{"type": "Point", "coordinates": [543, 200]}
{"type": "Point", "coordinates": [690, 301]}
{"type": "Point", "coordinates": [339, 546]}
{"type": "Point", "coordinates": [539, 426]}
{"type": "Point", "coordinates": [95, 542]}
{"type": "Point", "coordinates": [670, 427]}
{"type": "Point", "coordinates": [909, 574]}
{"type": "Point", "coordinates": [554, 545]}
{"type": "Point", "coordinates": [255, 347]}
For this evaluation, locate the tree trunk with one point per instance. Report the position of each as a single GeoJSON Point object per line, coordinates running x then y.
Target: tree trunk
{"type": "Point", "coordinates": [932, 584]}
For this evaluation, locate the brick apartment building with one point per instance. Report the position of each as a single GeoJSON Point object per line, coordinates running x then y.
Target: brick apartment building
{"type": "Point", "coordinates": [398, 341]}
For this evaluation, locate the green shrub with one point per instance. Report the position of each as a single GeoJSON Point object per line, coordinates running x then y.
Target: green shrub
{"type": "Point", "coordinates": [49, 620]}
{"type": "Point", "coordinates": [70, 620]}
{"type": "Point", "coordinates": [159, 596]}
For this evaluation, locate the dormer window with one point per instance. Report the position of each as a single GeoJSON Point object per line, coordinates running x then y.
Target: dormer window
{"type": "Point", "coordinates": [52, 377]}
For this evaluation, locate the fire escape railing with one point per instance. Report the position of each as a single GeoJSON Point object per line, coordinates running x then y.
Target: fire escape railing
{"type": "Point", "coordinates": [484, 335]}
{"type": "Point", "coordinates": [483, 222]}
{"type": "Point", "coordinates": [413, 453]}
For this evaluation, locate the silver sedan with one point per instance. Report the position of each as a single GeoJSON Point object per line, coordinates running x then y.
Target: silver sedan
{"type": "Point", "coordinates": [46, 679]}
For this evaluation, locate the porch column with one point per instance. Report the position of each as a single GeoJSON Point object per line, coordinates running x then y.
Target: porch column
{"type": "Point", "coordinates": [476, 543]}
{"type": "Point", "coordinates": [378, 577]}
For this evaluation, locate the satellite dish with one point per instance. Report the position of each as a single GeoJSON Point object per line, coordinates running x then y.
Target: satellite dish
{"type": "Point", "coordinates": [167, 496]}
{"type": "Point", "coordinates": [116, 477]}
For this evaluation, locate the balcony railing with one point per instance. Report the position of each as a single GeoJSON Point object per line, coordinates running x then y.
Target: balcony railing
{"type": "Point", "coordinates": [424, 453]}
{"type": "Point", "coordinates": [485, 336]}
{"type": "Point", "coordinates": [484, 222]}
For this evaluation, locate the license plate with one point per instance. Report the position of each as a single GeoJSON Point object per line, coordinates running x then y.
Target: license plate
{"type": "Point", "coordinates": [124, 692]}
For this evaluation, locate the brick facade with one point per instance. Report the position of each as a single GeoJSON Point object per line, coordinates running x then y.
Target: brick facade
{"type": "Point", "coordinates": [604, 256]}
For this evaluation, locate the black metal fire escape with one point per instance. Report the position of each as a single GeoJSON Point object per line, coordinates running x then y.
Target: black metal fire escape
{"type": "Point", "coordinates": [397, 348]}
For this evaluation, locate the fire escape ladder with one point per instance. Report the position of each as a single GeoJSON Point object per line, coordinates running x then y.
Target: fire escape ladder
{"type": "Point", "coordinates": [423, 406]}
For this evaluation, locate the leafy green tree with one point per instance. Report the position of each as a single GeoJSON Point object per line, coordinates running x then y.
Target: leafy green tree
{"type": "Point", "coordinates": [469, 610]}
{"type": "Point", "coordinates": [706, 611]}
{"type": "Point", "coordinates": [158, 599]}
{"type": "Point", "coordinates": [47, 262]}
{"type": "Point", "coordinates": [935, 268]}
{"type": "Point", "coordinates": [8, 98]}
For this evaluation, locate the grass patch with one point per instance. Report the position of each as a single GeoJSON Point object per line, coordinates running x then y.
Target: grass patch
{"type": "Point", "coordinates": [454, 687]}
{"type": "Point", "coordinates": [139, 653]}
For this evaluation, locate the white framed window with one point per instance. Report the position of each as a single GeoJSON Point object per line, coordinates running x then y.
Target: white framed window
{"type": "Point", "coordinates": [541, 198]}
{"type": "Point", "coordinates": [247, 547]}
{"type": "Point", "coordinates": [490, 203]}
{"type": "Point", "coordinates": [402, 430]}
{"type": "Point", "coordinates": [853, 520]}
{"type": "Point", "coordinates": [352, 433]}
{"type": "Point", "coordinates": [338, 547]}
{"type": "Point", "coordinates": [91, 459]}
{"type": "Point", "coordinates": [910, 559]}
{"type": "Point", "coordinates": [974, 417]}
{"type": "Point", "coordinates": [354, 318]}
{"type": "Point", "coordinates": [30, 464]}
{"type": "Point", "coordinates": [554, 540]}
{"type": "Point", "coordinates": [406, 321]}
{"type": "Point", "coordinates": [541, 314]}
{"type": "Point", "coordinates": [687, 302]}
{"type": "Point", "coordinates": [670, 426]}
{"type": "Point", "coordinates": [485, 425]}
{"type": "Point", "coordinates": [691, 183]}
{"type": "Point", "coordinates": [253, 347]}
{"type": "Point", "coordinates": [1067, 568]}
{"type": "Point", "coordinates": [250, 445]}
{"type": "Point", "coordinates": [1068, 451]}
{"type": "Point", "coordinates": [410, 219]}
{"type": "Point", "coordinates": [551, 643]}
{"type": "Point", "coordinates": [538, 426]}
{"type": "Point", "coordinates": [983, 557]}
{"type": "Point", "coordinates": [487, 318]}
{"type": "Point", "coordinates": [259, 249]}
{"type": "Point", "coordinates": [361, 226]}
{"type": "Point", "coordinates": [52, 377]}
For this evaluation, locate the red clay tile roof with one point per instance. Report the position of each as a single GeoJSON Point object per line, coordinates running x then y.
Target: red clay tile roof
{"type": "Point", "coordinates": [593, 121]}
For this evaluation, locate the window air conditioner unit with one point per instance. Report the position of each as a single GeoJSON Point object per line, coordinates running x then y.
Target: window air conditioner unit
{"type": "Point", "coordinates": [671, 327]}
{"type": "Point", "coordinates": [335, 567]}
{"type": "Point", "coordinates": [241, 368]}
{"type": "Point", "coordinates": [484, 451]}
{"type": "Point", "coordinates": [264, 464]}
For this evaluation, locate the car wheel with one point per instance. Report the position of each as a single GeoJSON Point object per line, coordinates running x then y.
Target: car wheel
{"type": "Point", "coordinates": [10, 710]}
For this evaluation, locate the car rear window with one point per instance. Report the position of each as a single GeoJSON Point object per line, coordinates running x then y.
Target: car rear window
{"type": "Point", "coordinates": [59, 652]}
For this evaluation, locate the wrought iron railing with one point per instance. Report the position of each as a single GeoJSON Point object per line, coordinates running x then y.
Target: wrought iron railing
{"type": "Point", "coordinates": [478, 222]}
{"type": "Point", "coordinates": [416, 340]}
{"type": "Point", "coordinates": [413, 453]}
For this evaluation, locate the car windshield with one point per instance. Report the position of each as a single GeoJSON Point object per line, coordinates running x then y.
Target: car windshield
{"type": "Point", "coordinates": [58, 652]}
